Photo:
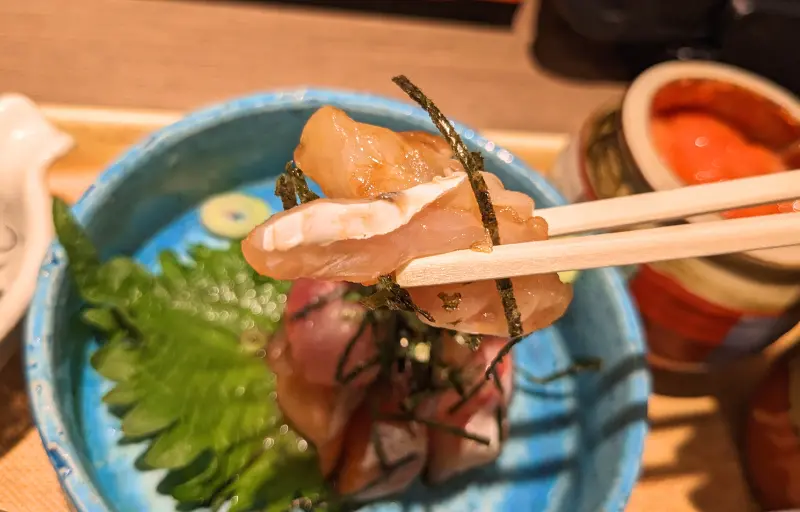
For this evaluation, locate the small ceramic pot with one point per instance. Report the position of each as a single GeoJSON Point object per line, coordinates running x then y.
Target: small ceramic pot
{"type": "Point", "coordinates": [702, 311]}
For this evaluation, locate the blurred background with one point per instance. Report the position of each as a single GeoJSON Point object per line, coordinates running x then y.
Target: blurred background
{"type": "Point", "coordinates": [554, 60]}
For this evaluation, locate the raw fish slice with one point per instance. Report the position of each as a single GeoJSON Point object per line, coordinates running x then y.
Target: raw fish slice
{"type": "Point", "coordinates": [329, 239]}
{"type": "Point", "coordinates": [403, 444]}
{"type": "Point", "coordinates": [359, 240]}
{"type": "Point", "coordinates": [542, 299]}
{"type": "Point", "coordinates": [318, 412]}
{"type": "Point", "coordinates": [393, 197]}
{"type": "Point", "coordinates": [472, 367]}
{"type": "Point", "coordinates": [351, 160]}
{"type": "Point", "coordinates": [450, 454]}
{"type": "Point", "coordinates": [320, 324]}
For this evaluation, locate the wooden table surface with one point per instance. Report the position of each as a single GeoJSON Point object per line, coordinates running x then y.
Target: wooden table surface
{"type": "Point", "coordinates": [178, 55]}
{"type": "Point", "coordinates": [145, 53]}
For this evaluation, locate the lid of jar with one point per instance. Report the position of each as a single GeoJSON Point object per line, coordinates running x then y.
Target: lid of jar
{"type": "Point", "coordinates": [758, 99]}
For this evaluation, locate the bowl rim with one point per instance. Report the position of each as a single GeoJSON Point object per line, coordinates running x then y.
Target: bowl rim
{"type": "Point", "coordinates": [636, 115]}
{"type": "Point", "coordinates": [40, 373]}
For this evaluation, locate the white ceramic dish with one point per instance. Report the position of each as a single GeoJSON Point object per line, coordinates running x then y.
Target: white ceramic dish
{"type": "Point", "coordinates": [28, 144]}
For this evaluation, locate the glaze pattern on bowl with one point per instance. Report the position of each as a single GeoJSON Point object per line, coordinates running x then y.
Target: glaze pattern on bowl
{"type": "Point", "coordinates": [583, 443]}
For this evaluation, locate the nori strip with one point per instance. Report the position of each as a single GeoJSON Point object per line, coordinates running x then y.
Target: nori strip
{"type": "Point", "coordinates": [292, 184]}
{"type": "Point", "coordinates": [413, 400]}
{"type": "Point", "coordinates": [513, 318]}
{"type": "Point", "coordinates": [285, 190]}
{"type": "Point", "coordinates": [317, 303]}
{"type": "Point", "coordinates": [380, 451]}
{"type": "Point", "coordinates": [390, 295]}
{"type": "Point", "coordinates": [496, 376]}
{"type": "Point", "coordinates": [450, 302]}
{"type": "Point", "coordinates": [359, 369]}
{"type": "Point", "coordinates": [590, 364]}
{"type": "Point", "coordinates": [387, 467]}
{"type": "Point", "coordinates": [340, 365]}
{"type": "Point", "coordinates": [454, 379]}
{"type": "Point", "coordinates": [466, 397]}
{"type": "Point", "coordinates": [300, 184]}
{"type": "Point", "coordinates": [500, 416]}
{"type": "Point", "coordinates": [503, 352]}
{"type": "Point", "coordinates": [472, 162]}
{"type": "Point", "coordinates": [473, 165]}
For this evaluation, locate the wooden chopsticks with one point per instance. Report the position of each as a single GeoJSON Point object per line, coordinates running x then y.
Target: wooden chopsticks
{"type": "Point", "coordinates": [679, 203]}
{"type": "Point", "coordinates": [629, 247]}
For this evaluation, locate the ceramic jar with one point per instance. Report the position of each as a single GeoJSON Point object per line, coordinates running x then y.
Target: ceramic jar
{"type": "Point", "coordinates": [702, 311]}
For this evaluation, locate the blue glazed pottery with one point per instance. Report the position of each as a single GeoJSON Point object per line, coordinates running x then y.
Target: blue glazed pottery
{"type": "Point", "coordinates": [575, 444]}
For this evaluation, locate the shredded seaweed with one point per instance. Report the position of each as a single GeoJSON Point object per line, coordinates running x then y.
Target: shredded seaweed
{"type": "Point", "coordinates": [292, 185]}
{"type": "Point", "coordinates": [450, 302]}
{"type": "Point", "coordinates": [589, 364]}
{"type": "Point", "coordinates": [387, 467]}
{"type": "Point", "coordinates": [491, 372]}
{"type": "Point", "coordinates": [286, 191]}
{"type": "Point", "coordinates": [466, 397]}
{"type": "Point", "coordinates": [380, 451]}
{"type": "Point", "coordinates": [513, 317]}
{"type": "Point", "coordinates": [414, 399]}
{"type": "Point", "coordinates": [317, 303]}
{"type": "Point", "coordinates": [391, 296]}
{"type": "Point", "coordinates": [455, 379]}
{"type": "Point", "coordinates": [473, 165]}
{"type": "Point", "coordinates": [499, 417]}
{"type": "Point", "coordinates": [391, 347]}
{"type": "Point", "coordinates": [304, 193]}
{"type": "Point", "coordinates": [361, 368]}
{"type": "Point", "coordinates": [496, 377]}
{"type": "Point", "coordinates": [341, 377]}
{"type": "Point", "coordinates": [472, 162]}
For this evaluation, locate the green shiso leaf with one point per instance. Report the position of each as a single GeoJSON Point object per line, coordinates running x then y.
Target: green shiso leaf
{"type": "Point", "coordinates": [183, 381]}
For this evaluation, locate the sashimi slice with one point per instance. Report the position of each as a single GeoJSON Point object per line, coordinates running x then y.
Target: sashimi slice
{"type": "Point", "coordinates": [484, 415]}
{"type": "Point", "coordinates": [327, 333]}
{"type": "Point", "coordinates": [351, 160]}
{"type": "Point", "coordinates": [381, 456]}
{"type": "Point", "coordinates": [319, 413]}
{"type": "Point", "coordinates": [393, 197]}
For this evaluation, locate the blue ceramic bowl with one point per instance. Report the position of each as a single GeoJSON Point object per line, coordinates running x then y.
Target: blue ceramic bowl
{"type": "Point", "coordinates": [575, 444]}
